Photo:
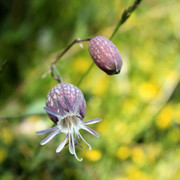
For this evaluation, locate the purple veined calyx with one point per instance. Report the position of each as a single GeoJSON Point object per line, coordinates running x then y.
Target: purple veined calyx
{"type": "Point", "coordinates": [105, 55]}
{"type": "Point", "coordinates": [66, 107]}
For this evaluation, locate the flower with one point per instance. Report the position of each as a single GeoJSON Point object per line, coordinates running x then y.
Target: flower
{"type": "Point", "coordinates": [106, 55]}
{"type": "Point", "coordinates": [66, 107]}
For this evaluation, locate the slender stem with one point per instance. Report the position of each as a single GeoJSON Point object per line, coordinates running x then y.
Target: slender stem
{"type": "Point", "coordinates": [3, 65]}
{"type": "Point", "coordinates": [22, 116]}
{"type": "Point", "coordinates": [61, 54]}
{"type": "Point", "coordinates": [125, 15]}
{"type": "Point", "coordinates": [85, 74]}
{"type": "Point", "coordinates": [58, 77]}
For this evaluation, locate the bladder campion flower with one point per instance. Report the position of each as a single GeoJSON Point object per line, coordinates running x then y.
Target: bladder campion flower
{"type": "Point", "coordinates": [66, 107]}
{"type": "Point", "coordinates": [106, 55]}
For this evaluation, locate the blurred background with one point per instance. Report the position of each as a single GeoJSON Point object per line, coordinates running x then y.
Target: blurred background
{"type": "Point", "coordinates": [140, 107]}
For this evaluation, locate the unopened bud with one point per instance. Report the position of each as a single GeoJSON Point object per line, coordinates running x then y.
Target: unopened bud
{"type": "Point", "coordinates": [106, 55]}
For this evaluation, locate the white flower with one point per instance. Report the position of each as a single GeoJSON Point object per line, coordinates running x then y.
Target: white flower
{"type": "Point", "coordinates": [68, 117]}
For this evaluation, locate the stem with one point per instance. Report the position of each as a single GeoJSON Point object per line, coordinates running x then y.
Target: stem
{"type": "Point", "coordinates": [3, 65]}
{"type": "Point", "coordinates": [125, 15]}
{"type": "Point", "coordinates": [22, 116]}
{"type": "Point", "coordinates": [58, 77]}
{"type": "Point", "coordinates": [61, 54]}
{"type": "Point", "coordinates": [85, 74]}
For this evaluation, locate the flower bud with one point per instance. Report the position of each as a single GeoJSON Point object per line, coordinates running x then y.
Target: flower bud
{"type": "Point", "coordinates": [106, 55]}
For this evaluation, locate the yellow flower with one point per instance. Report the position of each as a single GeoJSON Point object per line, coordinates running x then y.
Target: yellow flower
{"type": "Point", "coordinates": [136, 174]}
{"type": "Point", "coordinates": [147, 91]}
{"type": "Point", "coordinates": [123, 152]}
{"type": "Point", "coordinates": [100, 84]}
{"type": "Point", "coordinates": [94, 155]}
{"type": "Point", "coordinates": [81, 64]}
{"type": "Point", "coordinates": [102, 128]}
{"type": "Point", "coordinates": [138, 156]}
{"type": "Point", "coordinates": [153, 151]}
{"type": "Point", "coordinates": [165, 117]}
{"type": "Point", "coordinates": [130, 106]}
{"type": "Point", "coordinates": [6, 135]}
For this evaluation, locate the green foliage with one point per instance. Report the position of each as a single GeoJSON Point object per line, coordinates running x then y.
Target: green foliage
{"type": "Point", "coordinates": [139, 134]}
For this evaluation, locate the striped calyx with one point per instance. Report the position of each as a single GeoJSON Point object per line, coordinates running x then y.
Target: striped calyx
{"type": "Point", "coordinates": [70, 92]}
{"type": "Point", "coordinates": [105, 55]}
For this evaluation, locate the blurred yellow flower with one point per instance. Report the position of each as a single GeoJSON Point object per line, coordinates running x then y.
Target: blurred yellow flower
{"type": "Point", "coordinates": [130, 106]}
{"type": "Point", "coordinates": [100, 84]}
{"type": "Point", "coordinates": [164, 119]}
{"type": "Point", "coordinates": [138, 155]}
{"type": "Point", "coordinates": [120, 128]}
{"type": "Point", "coordinates": [147, 90]}
{"type": "Point", "coordinates": [144, 59]}
{"type": "Point", "coordinates": [136, 174]}
{"type": "Point", "coordinates": [123, 152]}
{"type": "Point", "coordinates": [7, 136]}
{"type": "Point", "coordinates": [93, 155]}
{"type": "Point", "coordinates": [3, 155]}
{"type": "Point", "coordinates": [153, 151]}
{"type": "Point", "coordinates": [102, 128]}
{"type": "Point", "coordinates": [81, 64]}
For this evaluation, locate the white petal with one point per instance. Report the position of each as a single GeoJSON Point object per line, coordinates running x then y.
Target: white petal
{"type": "Point", "coordinates": [85, 141]}
{"type": "Point", "coordinates": [62, 144]}
{"type": "Point", "coordinates": [74, 150]}
{"type": "Point", "coordinates": [92, 121]}
{"type": "Point", "coordinates": [93, 132]}
{"type": "Point", "coordinates": [71, 150]}
{"type": "Point", "coordinates": [46, 131]}
{"type": "Point", "coordinates": [49, 137]}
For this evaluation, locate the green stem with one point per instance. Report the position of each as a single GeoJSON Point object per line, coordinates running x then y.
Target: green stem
{"type": "Point", "coordinates": [125, 15]}
{"type": "Point", "coordinates": [85, 74]}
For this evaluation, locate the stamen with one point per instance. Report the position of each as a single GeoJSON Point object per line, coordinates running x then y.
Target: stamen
{"type": "Point", "coordinates": [49, 137]}
{"type": "Point", "coordinates": [52, 112]}
{"type": "Point", "coordinates": [85, 141]}
{"type": "Point", "coordinates": [68, 105]}
{"type": "Point", "coordinates": [78, 144]}
{"type": "Point", "coordinates": [46, 130]}
{"type": "Point", "coordinates": [62, 144]}
{"type": "Point", "coordinates": [74, 151]}
{"type": "Point", "coordinates": [79, 140]}
{"type": "Point", "coordinates": [61, 110]}
{"type": "Point", "coordinates": [93, 132]}
{"type": "Point", "coordinates": [92, 121]}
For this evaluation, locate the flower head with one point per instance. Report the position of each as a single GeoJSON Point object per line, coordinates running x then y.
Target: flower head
{"type": "Point", "coordinates": [66, 107]}
{"type": "Point", "coordinates": [106, 55]}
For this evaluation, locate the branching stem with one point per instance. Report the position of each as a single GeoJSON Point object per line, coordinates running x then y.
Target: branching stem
{"type": "Point", "coordinates": [125, 15]}
{"type": "Point", "coordinates": [61, 54]}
